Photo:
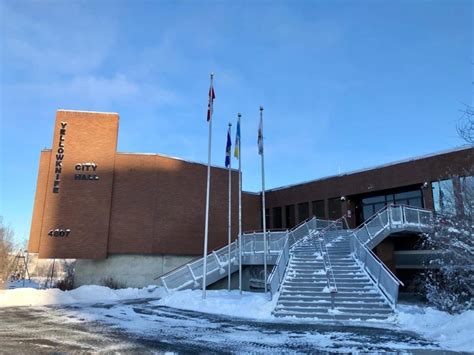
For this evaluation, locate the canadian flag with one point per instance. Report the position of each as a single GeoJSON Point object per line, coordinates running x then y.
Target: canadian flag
{"type": "Point", "coordinates": [210, 105]}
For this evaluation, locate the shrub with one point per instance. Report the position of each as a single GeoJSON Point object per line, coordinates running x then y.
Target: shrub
{"type": "Point", "coordinates": [110, 282]}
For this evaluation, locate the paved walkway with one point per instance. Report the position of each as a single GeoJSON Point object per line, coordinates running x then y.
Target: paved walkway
{"type": "Point", "coordinates": [138, 326]}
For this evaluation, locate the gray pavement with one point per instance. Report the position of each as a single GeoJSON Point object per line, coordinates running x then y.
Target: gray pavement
{"type": "Point", "coordinates": [140, 327]}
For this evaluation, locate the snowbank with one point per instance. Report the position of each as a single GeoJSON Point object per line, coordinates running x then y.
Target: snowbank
{"type": "Point", "coordinates": [452, 332]}
{"type": "Point", "coordinates": [249, 305]}
{"type": "Point", "coordinates": [90, 294]}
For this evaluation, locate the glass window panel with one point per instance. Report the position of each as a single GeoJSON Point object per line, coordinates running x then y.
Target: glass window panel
{"type": "Point", "coordinates": [378, 206]}
{"type": "Point", "coordinates": [408, 194]}
{"type": "Point", "coordinates": [367, 211]}
{"type": "Point", "coordinates": [389, 199]}
{"type": "Point", "coordinates": [467, 194]}
{"type": "Point", "coordinates": [443, 196]}
{"type": "Point", "coordinates": [290, 216]}
{"type": "Point", "coordinates": [375, 199]}
{"type": "Point", "coordinates": [318, 209]}
{"type": "Point", "coordinates": [277, 222]}
{"type": "Point", "coordinates": [303, 211]}
{"type": "Point", "coordinates": [417, 202]}
{"type": "Point", "coordinates": [334, 206]}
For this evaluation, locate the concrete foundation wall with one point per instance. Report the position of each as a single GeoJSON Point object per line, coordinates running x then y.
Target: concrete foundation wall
{"type": "Point", "coordinates": [127, 270]}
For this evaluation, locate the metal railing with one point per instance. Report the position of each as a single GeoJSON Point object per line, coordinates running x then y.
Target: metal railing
{"type": "Point", "coordinates": [297, 234]}
{"type": "Point", "coordinates": [306, 229]}
{"type": "Point", "coordinates": [278, 273]}
{"type": "Point", "coordinates": [390, 219]}
{"type": "Point", "coordinates": [393, 218]}
{"type": "Point", "coordinates": [191, 274]}
{"type": "Point", "coordinates": [382, 277]}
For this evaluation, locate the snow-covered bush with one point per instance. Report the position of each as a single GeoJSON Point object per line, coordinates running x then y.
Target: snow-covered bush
{"type": "Point", "coordinates": [449, 279]}
{"type": "Point", "coordinates": [66, 283]}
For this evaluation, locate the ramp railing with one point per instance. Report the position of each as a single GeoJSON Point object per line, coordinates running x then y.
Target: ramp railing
{"type": "Point", "coordinates": [390, 219]}
{"type": "Point", "coordinates": [306, 229]}
{"type": "Point", "coordinates": [393, 218]}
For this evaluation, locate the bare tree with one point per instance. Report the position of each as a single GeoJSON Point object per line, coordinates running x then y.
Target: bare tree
{"type": "Point", "coordinates": [6, 244]}
{"type": "Point", "coordinates": [465, 125]}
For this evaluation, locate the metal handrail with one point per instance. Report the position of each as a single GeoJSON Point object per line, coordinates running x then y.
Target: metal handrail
{"type": "Point", "coordinates": [286, 245]}
{"type": "Point", "coordinates": [276, 268]}
{"type": "Point", "coordinates": [387, 208]}
{"type": "Point", "coordinates": [394, 277]}
{"type": "Point", "coordinates": [391, 295]}
{"type": "Point", "coordinates": [322, 241]}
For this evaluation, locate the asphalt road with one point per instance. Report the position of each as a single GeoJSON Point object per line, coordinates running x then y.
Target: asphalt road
{"type": "Point", "coordinates": [140, 327]}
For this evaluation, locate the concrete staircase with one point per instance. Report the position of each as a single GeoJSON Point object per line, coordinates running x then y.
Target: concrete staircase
{"type": "Point", "coordinates": [308, 290]}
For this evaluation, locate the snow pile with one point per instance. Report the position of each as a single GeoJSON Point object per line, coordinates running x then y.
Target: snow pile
{"type": "Point", "coordinates": [249, 305]}
{"type": "Point", "coordinates": [90, 293]}
{"type": "Point", "coordinates": [452, 331]}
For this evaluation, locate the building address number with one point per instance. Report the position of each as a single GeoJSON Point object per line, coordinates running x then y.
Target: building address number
{"type": "Point", "coordinates": [59, 232]}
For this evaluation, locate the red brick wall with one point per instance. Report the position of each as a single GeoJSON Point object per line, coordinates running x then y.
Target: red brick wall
{"type": "Point", "coordinates": [141, 204]}
{"type": "Point", "coordinates": [81, 206]}
{"type": "Point", "coordinates": [40, 196]}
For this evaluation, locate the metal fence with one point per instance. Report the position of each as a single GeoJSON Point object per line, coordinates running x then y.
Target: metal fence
{"type": "Point", "coordinates": [394, 217]}
{"type": "Point", "coordinates": [390, 219]}
{"type": "Point", "coordinates": [278, 273]}
{"type": "Point", "coordinates": [382, 277]}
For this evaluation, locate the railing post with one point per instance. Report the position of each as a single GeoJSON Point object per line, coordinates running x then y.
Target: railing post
{"type": "Point", "coordinates": [164, 284]}
{"type": "Point", "coordinates": [378, 277]}
{"type": "Point", "coordinates": [192, 275]}
{"type": "Point", "coordinates": [217, 259]}
{"type": "Point", "coordinates": [368, 232]}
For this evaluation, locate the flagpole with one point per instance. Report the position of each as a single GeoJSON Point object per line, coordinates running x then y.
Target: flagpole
{"type": "Point", "coordinates": [230, 215]}
{"type": "Point", "coordinates": [206, 226]}
{"type": "Point", "coordinates": [263, 204]}
{"type": "Point", "coordinates": [240, 207]}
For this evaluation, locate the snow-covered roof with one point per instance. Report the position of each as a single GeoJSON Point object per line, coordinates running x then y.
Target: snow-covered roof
{"type": "Point", "coordinates": [463, 147]}
{"type": "Point", "coordinates": [103, 113]}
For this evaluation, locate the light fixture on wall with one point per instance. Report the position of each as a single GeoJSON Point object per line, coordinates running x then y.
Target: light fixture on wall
{"type": "Point", "coordinates": [425, 185]}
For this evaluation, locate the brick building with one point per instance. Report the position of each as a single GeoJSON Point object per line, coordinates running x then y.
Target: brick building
{"type": "Point", "coordinates": [136, 216]}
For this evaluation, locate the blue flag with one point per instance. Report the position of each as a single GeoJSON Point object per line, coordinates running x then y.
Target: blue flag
{"type": "Point", "coordinates": [228, 149]}
{"type": "Point", "coordinates": [237, 140]}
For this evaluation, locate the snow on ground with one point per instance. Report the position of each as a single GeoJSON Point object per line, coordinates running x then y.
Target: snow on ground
{"type": "Point", "coordinates": [449, 331]}
{"type": "Point", "coordinates": [89, 294]}
{"type": "Point", "coordinates": [452, 331]}
{"type": "Point", "coordinates": [249, 305]}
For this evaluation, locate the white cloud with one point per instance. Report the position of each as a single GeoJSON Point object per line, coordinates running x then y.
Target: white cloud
{"type": "Point", "coordinates": [49, 39]}
{"type": "Point", "coordinates": [95, 92]}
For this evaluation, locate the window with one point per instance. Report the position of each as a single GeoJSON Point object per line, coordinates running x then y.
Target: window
{"type": "Point", "coordinates": [318, 209]}
{"type": "Point", "coordinates": [267, 217]}
{"type": "Point", "coordinates": [443, 196]}
{"type": "Point", "coordinates": [334, 206]}
{"type": "Point", "coordinates": [277, 218]}
{"type": "Point", "coordinates": [290, 216]}
{"type": "Point", "coordinates": [371, 205]}
{"type": "Point", "coordinates": [303, 211]}
{"type": "Point", "coordinates": [467, 194]}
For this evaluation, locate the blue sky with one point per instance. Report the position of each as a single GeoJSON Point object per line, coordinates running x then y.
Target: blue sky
{"type": "Point", "coordinates": [345, 84]}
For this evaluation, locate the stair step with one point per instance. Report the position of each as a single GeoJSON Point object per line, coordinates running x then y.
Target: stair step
{"type": "Point", "coordinates": [339, 310]}
{"type": "Point", "coordinates": [327, 316]}
{"type": "Point", "coordinates": [336, 303]}
{"type": "Point", "coordinates": [340, 294]}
